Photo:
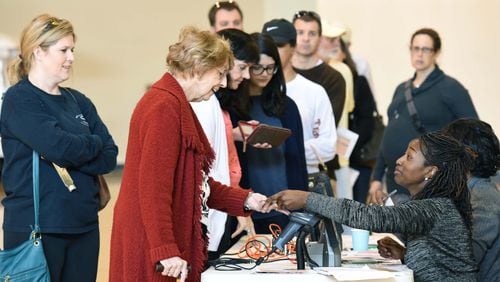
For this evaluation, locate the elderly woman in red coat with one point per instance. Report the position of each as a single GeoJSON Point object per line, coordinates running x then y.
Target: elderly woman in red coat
{"type": "Point", "coordinates": [165, 189]}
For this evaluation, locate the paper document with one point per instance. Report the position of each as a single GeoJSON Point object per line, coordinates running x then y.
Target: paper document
{"type": "Point", "coordinates": [346, 140]}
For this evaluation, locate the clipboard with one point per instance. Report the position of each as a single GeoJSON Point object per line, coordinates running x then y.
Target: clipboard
{"type": "Point", "coordinates": [262, 133]}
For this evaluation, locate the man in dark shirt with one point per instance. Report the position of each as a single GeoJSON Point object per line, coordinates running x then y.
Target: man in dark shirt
{"type": "Point", "coordinates": [307, 63]}
{"type": "Point", "coordinates": [224, 15]}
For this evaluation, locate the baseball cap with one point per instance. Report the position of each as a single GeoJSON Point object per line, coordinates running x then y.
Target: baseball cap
{"type": "Point", "coordinates": [281, 30]}
{"type": "Point", "coordinates": [333, 29]}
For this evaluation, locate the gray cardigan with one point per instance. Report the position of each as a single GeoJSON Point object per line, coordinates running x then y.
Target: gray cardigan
{"type": "Point", "coordinates": [438, 244]}
{"type": "Point", "coordinates": [485, 200]}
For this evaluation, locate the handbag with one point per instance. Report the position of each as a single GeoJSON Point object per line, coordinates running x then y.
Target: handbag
{"type": "Point", "coordinates": [320, 182]}
{"type": "Point", "coordinates": [27, 262]}
{"type": "Point", "coordinates": [104, 194]}
{"type": "Point", "coordinates": [370, 150]}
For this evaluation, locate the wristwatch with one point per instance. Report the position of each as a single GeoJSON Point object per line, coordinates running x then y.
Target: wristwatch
{"type": "Point", "coordinates": [246, 206]}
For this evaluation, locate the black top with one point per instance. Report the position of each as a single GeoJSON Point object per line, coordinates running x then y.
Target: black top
{"type": "Point", "coordinates": [362, 119]}
{"type": "Point", "coordinates": [439, 101]}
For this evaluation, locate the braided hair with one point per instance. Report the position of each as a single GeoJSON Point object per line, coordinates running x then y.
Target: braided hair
{"type": "Point", "coordinates": [454, 161]}
{"type": "Point", "coordinates": [481, 138]}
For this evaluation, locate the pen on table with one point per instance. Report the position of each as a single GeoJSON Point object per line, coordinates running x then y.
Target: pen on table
{"type": "Point", "coordinates": [389, 195]}
{"type": "Point", "coordinates": [322, 271]}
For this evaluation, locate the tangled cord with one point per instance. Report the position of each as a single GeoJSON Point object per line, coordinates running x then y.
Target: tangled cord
{"type": "Point", "coordinates": [257, 249]}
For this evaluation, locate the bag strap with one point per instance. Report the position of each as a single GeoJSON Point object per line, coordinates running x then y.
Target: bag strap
{"type": "Point", "coordinates": [321, 162]}
{"type": "Point", "coordinates": [36, 190]}
{"type": "Point", "coordinates": [412, 109]}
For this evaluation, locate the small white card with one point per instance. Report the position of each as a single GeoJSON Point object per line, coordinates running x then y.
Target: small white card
{"type": "Point", "coordinates": [346, 140]}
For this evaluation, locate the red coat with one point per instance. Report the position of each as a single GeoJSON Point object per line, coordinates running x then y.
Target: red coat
{"type": "Point", "coordinates": [157, 213]}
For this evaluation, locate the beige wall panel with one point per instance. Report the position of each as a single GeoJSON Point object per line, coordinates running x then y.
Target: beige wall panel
{"type": "Point", "coordinates": [122, 45]}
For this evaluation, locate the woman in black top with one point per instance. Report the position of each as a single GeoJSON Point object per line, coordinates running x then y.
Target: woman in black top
{"type": "Point", "coordinates": [63, 126]}
{"type": "Point", "coordinates": [439, 99]}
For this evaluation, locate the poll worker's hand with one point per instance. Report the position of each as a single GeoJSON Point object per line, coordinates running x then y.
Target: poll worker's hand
{"type": "Point", "coordinates": [256, 201]}
{"type": "Point", "coordinates": [389, 248]}
{"type": "Point", "coordinates": [376, 193]}
{"type": "Point", "coordinates": [175, 267]}
{"type": "Point", "coordinates": [245, 223]}
{"type": "Point", "coordinates": [290, 199]}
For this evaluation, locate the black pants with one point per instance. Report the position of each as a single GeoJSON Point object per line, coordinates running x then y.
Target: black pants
{"type": "Point", "coordinates": [226, 241]}
{"type": "Point", "coordinates": [362, 185]}
{"type": "Point", "coordinates": [70, 257]}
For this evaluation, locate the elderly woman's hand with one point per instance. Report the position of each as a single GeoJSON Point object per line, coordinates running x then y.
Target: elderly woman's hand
{"type": "Point", "coordinates": [245, 223]}
{"type": "Point", "coordinates": [175, 267]}
{"type": "Point", "coordinates": [289, 199]}
{"type": "Point", "coordinates": [256, 202]}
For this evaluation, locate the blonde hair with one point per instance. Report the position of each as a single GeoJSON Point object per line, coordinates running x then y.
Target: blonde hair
{"type": "Point", "coordinates": [198, 52]}
{"type": "Point", "coordinates": [43, 31]}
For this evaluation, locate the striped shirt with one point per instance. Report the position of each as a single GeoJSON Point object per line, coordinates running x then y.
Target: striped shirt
{"type": "Point", "coordinates": [438, 244]}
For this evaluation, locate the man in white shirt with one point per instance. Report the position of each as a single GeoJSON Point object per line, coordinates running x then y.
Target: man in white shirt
{"type": "Point", "coordinates": [318, 121]}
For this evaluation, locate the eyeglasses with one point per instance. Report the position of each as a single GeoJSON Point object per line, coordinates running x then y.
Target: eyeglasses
{"type": "Point", "coordinates": [259, 69]}
{"type": "Point", "coordinates": [425, 50]}
{"type": "Point", "coordinates": [311, 14]}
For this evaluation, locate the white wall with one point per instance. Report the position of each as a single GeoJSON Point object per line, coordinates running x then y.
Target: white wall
{"type": "Point", "coordinates": [470, 43]}
{"type": "Point", "coordinates": [122, 45]}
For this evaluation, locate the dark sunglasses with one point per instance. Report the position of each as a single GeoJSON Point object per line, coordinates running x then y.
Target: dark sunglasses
{"type": "Point", "coordinates": [219, 4]}
{"type": "Point", "coordinates": [310, 14]}
{"type": "Point", "coordinates": [53, 22]}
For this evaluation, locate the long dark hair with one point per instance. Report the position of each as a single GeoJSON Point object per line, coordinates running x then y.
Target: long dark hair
{"type": "Point", "coordinates": [274, 93]}
{"type": "Point", "coordinates": [244, 49]}
{"type": "Point", "coordinates": [453, 160]}
{"type": "Point", "coordinates": [348, 58]}
{"type": "Point", "coordinates": [480, 137]}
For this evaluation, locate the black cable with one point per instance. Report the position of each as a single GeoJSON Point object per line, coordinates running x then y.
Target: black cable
{"type": "Point", "coordinates": [234, 264]}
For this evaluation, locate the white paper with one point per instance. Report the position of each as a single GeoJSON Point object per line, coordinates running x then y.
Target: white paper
{"type": "Point", "coordinates": [389, 202]}
{"type": "Point", "coordinates": [346, 140]}
{"type": "Point", "coordinates": [346, 177]}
